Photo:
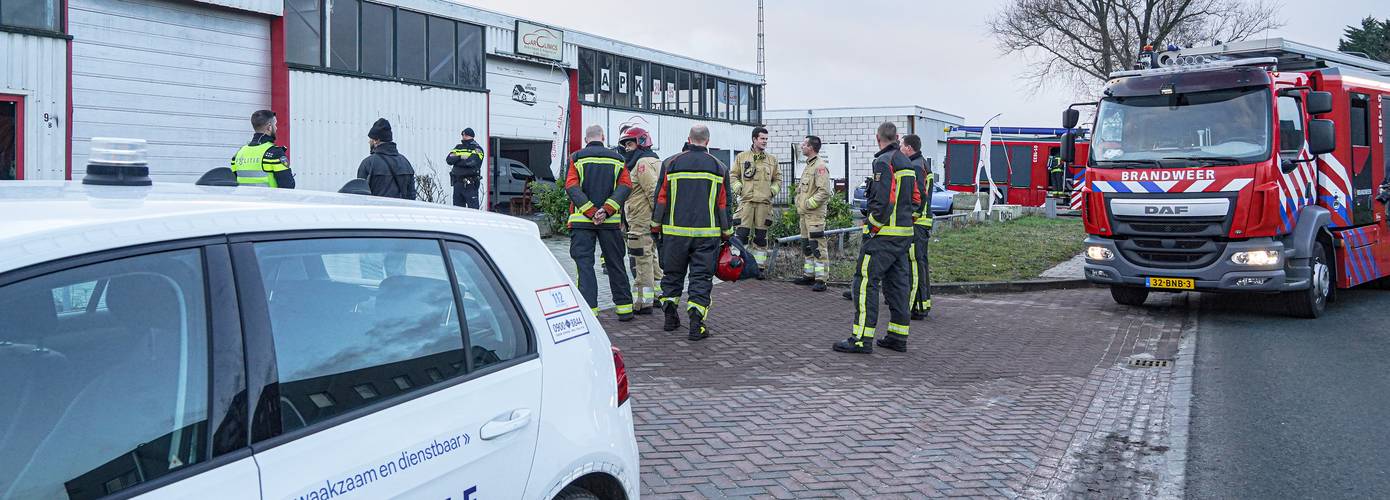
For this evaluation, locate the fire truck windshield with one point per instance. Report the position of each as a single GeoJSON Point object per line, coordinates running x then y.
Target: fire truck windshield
{"type": "Point", "coordinates": [1219, 127]}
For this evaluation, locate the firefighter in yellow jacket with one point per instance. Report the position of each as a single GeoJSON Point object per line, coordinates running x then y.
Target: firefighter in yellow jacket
{"type": "Point", "coordinates": [756, 180]}
{"type": "Point", "coordinates": [643, 166]}
{"type": "Point", "coordinates": [812, 199]}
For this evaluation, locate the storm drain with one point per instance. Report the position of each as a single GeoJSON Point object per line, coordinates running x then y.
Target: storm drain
{"type": "Point", "coordinates": [1149, 362]}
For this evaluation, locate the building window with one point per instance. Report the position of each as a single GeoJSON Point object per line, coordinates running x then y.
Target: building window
{"type": "Point", "coordinates": [670, 96]}
{"type": "Point", "coordinates": [606, 69]}
{"type": "Point", "coordinates": [723, 102]}
{"type": "Point", "coordinates": [587, 69]}
{"type": "Point", "coordinates": [378, 37]}
{"type": "Point", "coordinates": [342, 34]}
{"type": "Point", "coordinates": [658, 88]}
{"type": "Point", "coordinates": [755, 105]}
{"type": "Point", "coordinates": [470, 55]}
{"type": "Point", "coordinates": [711, 97]}
{"type": "Point", "coordinates": [303, 32]}
{"type": "Point", "coordinates": [442, 67]}
{"type": "Point", "coordinates": [639, 84]}
{"type": "Point", "coordinates": [410, 45]}
{"type": "Point", "coordinates": [623, 82]}
{"type": "Point", "coordinates": [34, 14]}
{"type": "Point", "coordinates": [742, 103]}
{"type": "Point", "coordinates": [697, 90]}
{"type": "Point", "coordinates": [683, 93]}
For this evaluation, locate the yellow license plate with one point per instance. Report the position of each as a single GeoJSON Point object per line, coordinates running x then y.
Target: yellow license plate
{"type": "Point", "coordinates": [1174, 283]}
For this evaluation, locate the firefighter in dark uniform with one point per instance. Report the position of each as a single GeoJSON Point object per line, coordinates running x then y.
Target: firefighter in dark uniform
{"type": "Point", "coordinates": [598, 185]}
{"type": "Point", "coordinates": [921, 228]}
{"type": "Point", "coordinates": [690, 220]}
{"type": "Point", "coordinates": [893, 197]}
{"type": "Point", "coordinates": [260, 162]}
{"type": "Point", "coordinates": [466, 170]}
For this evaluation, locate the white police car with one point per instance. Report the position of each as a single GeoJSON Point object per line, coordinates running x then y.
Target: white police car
{"type": "Point", "coordinates": [188, 341]}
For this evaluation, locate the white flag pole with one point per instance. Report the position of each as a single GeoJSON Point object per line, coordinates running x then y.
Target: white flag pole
{"type": "Point", "coordinates": [983, 165]}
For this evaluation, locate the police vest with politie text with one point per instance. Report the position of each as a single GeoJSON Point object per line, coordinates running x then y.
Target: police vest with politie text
{"type": "Point", "coordinates": [262, 163]}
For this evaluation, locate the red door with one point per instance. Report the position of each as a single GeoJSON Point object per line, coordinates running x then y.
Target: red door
{"type": "Point", "coordinates": [11, 137]}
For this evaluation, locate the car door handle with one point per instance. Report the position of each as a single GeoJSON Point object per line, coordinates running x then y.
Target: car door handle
{"type": "Point", "coordinates": [498, 428]}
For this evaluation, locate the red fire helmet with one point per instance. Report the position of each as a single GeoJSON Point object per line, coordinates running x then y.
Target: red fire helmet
{"type": "Point", "coordinates": [730, 264]}
{"type": "Point", "coordinates": [644, 139]}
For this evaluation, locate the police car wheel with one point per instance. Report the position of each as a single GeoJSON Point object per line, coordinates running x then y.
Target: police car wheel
{"type": "Point", "coordinates": [575, 493]}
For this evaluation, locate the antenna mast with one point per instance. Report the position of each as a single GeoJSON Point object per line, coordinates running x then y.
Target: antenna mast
{"type": "Point", "coordinates": [762, 58]}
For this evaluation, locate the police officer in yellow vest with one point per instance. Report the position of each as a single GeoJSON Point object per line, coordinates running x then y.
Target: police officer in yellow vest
{"type": "Point", "coordinates": [261, 162]}
{"type": "Point", "coordinates": [465, 169]}
{"type": "Point", "coordinates": [922, 221]}
{"type": "Point", "coordinates": [756, 180]}
{"type": "Point", "coordinates": [892, 199]}
{"type": "Point", "coordinates": [812, 199]}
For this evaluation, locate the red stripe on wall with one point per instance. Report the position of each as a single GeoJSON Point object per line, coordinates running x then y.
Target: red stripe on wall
{"type": "Point", "coordinates": [279, 81]}
{"type": "Point", "coordinates": [576, 140]}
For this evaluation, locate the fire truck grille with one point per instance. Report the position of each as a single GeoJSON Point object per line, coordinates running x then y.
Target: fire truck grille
{"type": "Point", "coordinates": [1187, 227]}
{"type": "Point", "coordinates": [1168, 228]}
{"type": "Point", "coordinates": [1171, 253]}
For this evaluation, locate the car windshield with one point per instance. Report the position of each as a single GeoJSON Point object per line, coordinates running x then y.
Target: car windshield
{"type": "Point", "coordinates": [1221, 127]}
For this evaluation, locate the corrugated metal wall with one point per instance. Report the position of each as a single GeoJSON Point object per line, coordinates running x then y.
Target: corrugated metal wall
{"type": "Point", "coordinates": [183, 76]}
{"type": "Point", "coordinates": [272, 7]}
{"type": "Point", "coordinates": [36, 68]}
{"type": "Point", "coordinates": [331, 114]}
{"type": "Point", "coordinates": [669, 132]}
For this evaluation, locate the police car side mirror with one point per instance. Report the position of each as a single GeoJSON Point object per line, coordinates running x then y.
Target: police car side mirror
{"type": "Point", "coordinates": [1322, 137]}
{"type": "Point", "coordinates": [1318, 103]}
{"type": "Point", "coordinates": [220, 176]}
{"type": "Point", "coordinates": [356, 186]}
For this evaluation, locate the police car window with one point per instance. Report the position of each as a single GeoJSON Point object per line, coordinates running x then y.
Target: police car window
{"type": "Point", "coordinates": [374, 318]}
{"type": "Point", "coordinates": [495, 331]}
{"type": "Point", "coordinates": [97, 399]}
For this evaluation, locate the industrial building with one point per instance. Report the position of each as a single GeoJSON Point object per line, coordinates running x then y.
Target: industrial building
{"type": "Point", "coordinates": [847, 136]}
{"type": "Point", "coordinates": [186, 76]}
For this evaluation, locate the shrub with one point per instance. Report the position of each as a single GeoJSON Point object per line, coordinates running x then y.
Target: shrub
{"type": "Point", "coordinates": [554, 203]}
{"type": "Point", "coordinates": [839, 215]}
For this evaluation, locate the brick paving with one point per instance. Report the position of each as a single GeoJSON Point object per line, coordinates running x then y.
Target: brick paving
{"type": "Point", "coordinates": [1014, 396]}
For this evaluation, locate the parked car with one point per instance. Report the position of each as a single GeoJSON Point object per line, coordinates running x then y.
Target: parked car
{"type": "Point", "coordinates": [510, 180]}
{"type": "Point", "coordinates": [941, 199]}
{"type": "Point", "coordinates": [190, 341]}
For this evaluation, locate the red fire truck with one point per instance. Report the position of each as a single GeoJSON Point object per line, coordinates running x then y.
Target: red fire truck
{"type": "Point", "coordinates": [1243, 167]}
{"type": "Point", "coordinates": [1021, 161]}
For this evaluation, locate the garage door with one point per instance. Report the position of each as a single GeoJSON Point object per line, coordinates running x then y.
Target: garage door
{"type": "Point", "coordinates": [183, 77]}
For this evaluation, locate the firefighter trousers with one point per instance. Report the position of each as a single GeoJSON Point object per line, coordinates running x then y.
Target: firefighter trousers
{"type": "Point", "coordinates": [884, 261]}
{"type": "Point", "coordinates": [681, 255]}
{"type": "Point", "coordinates": [644, 267]}
{"type": "Point", "coordinates": [610, 243]}
{"type": "Point", "coordinates": [816, 262]}
{"type": "Point", "coordinates": [754, 220]}
{"type": "Point", "coordinates": [921, 270]}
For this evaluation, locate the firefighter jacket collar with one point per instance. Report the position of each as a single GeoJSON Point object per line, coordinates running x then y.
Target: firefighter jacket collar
{"type": "Point", "coordinates": [813, 160]}
{"type": "Point", "coordinates": [594, 143]}
{"type": "Point", "coordinates": [259, 139]}
{"type": "Point", "coordinates": [893, 146]}
{"type": "Point", "coordinates": [692, 147]}
{"type": "Point", "coordinates": [915, 156]}
{"type": "Point", "coordinates": [639, 154]}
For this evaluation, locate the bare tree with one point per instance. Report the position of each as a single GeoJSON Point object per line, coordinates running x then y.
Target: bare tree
{"type": "Point", "coordinates": [1080, 42]}
{"type": "Point", "coordinates": [428, 187]}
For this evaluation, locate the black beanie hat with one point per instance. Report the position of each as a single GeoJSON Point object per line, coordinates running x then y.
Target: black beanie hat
{"type": "Point", "coordinates": [381, 130]}
{"type": "Point", "coordinates": [469, 132]}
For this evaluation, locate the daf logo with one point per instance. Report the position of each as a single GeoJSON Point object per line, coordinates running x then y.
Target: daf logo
{"type": "Point", "coordinates": [1165, 210]}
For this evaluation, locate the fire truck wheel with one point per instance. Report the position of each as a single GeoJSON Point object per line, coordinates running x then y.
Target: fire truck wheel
{"type": "Point", "coordinates": [1312, 302]}
{"type": "Point", "coordinates": [1128, 295]}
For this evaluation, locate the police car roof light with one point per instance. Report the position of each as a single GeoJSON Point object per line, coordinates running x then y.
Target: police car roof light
{"type": "Point", "coordinates": [117, 162]}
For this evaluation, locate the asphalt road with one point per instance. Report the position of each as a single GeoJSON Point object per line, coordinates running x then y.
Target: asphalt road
{"type": "Point", "coordinates": [1291, 408]}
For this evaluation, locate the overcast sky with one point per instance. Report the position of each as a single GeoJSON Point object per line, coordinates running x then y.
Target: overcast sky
{"type": "Point", "coordinates": [836, 53]}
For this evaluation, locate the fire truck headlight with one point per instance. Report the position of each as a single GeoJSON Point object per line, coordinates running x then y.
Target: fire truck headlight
{"type": "Point", "coordinates": [1097, 252]}
{"type": "Point", "coordinates": [1256, 258]}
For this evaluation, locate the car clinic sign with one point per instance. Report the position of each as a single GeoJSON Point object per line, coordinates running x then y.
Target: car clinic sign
{"type": "Point", "coordinates": [539, 41]}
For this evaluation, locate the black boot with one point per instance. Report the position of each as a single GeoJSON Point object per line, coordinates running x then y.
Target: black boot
{"type": "Point", "coordinates": [920, 314]}
{"type": "Point", "coordinates": [805, 280]}
{"type": "Point", "coordinates": [893, 342]}
{"type": "Point", "coordinates": [847, 295]}
{"type": "Point", "coordinates": [854, 346]}
{"type": "Point", "coordinates": [698, 331]}
{"type": "Point", "coordinates": [645, 311]}
{"type": "Point", "coordinates": [673, 320]}
{"type": "Point", "coordinates": [819, 286]}
{"type": "Point", "coordinates": [625, 317]}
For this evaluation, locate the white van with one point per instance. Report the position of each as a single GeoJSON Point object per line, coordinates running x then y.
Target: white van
{"type": "Point", "coordinates": [187, 341]}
